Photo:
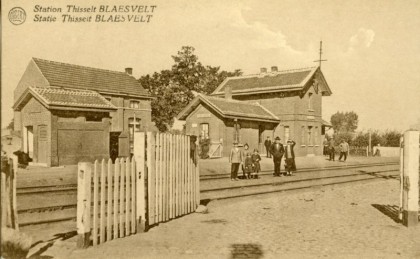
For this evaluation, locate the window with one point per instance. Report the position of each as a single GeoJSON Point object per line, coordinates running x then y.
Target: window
{"type": "Point", "coordinates": [316, 134]}
{"type": "Point", "coordinates": [303, 135]}
{"type": "Point", "coordinates": [133, 126]}
{"type": "Point", "coordinates": [286, 133]}
{"type": "Point", "coordinates": [204, 130]}
{"type": "Point", "coordinates": [310, 137]}
{"type": "Point", "coordinates": [310, 104]}
{"type": "Point", "coordinates": [236, 132]}
{"type": "Point", "coordinates": [134, 104]}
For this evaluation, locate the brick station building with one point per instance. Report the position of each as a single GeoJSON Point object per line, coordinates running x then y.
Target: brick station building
{"type": "Point", "coordinates": [249, 108]}
{"type": "Point", "coordinates": [69, 113]}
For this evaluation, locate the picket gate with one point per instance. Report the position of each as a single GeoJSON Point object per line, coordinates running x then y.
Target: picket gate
{"type": "Point", "coordinates": [106, 205]}
{"type": "Point", "coordinates": [159, 183]}
{"type": "Point", "coordinates": [170, 165]}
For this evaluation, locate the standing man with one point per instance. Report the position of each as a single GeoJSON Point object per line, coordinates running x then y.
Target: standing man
{"type": "Point", "coordinates": [344, 150]}
{"type": "Point", "coordinates": [277, 150]}
{"type": "Point", "coordinates": [289, 156]}
{"type": "Point", "coordinates": [235, 158]}
{"type": "Point", "coordinates": [267, 144]}
{"type": "Point", "coordinates": [331, 148]}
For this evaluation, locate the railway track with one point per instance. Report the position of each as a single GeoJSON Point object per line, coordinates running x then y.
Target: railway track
{"type": "Point", "coordinates": [47, 204]}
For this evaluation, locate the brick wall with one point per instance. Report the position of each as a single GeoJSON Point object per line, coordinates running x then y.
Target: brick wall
{"type": "Point", "coordinates": [119, 118]}
{"type": "Point", "coordinates": [35, 114]}
{"type": "Point", "coordinates": [293, 111]}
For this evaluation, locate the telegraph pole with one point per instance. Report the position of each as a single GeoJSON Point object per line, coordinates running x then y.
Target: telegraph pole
{"type": "Point", "coordinates": [320, 60]}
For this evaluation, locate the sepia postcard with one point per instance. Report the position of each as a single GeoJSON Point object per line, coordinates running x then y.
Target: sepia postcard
{"type": "Point", "coordinates": [210, 129]}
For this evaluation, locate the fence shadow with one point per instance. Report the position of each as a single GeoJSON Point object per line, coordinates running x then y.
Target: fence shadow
{"type": "Point", "coordinates": [375, 174]}
{"type": "Point", "coordinates": [247, 250]}
{"type": "Point", "coordinates": [391, 211]}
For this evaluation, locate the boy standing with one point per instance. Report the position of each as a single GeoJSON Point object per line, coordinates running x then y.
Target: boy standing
{"type": "Point", "coordinates": [344, 149]}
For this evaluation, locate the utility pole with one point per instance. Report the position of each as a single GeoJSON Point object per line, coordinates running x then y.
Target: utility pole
{"type": "Point", "coordinates": [320, 60]}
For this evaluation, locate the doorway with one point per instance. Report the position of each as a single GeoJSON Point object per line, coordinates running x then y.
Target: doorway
{"type": "Point", "coordinates": [42, 143]}
{"type": "Point", "coordinates": [28, 141]}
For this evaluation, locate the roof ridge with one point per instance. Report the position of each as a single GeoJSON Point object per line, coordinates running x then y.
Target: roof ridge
{"type": "Point", "coordinates": [275, 73]}
{"type": "Point", "coordinates": [73, 65]}
{"type": "Point", "coordinates": [230, 100]}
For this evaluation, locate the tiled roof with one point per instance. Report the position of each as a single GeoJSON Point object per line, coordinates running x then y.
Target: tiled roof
{"type": "Point", "coordinates": [54, 98]}
{"type": "Point", "coordinates": [230, 108]}
{"type": "Point", "coordinates": [288, 80]}
{"type": "Point", "coordinates": [80, 77]}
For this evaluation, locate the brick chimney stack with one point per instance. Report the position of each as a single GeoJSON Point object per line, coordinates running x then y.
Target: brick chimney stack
{"type": "Point", "coordinates": [228, 92]}
{"type": "Point", "coordinates": [263, 70]}
{"type": "Point", "coordinates": [129, 70]}
{"type": "Point", "coordinates": [274, 69]}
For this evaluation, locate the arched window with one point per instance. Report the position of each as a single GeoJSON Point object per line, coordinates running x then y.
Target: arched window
{"type": "Point", "coordinates": [133, 126]}
{"type": "Point", "coordinates": [303, 136]}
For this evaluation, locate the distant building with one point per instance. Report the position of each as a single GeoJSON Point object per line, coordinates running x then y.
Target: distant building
{"type": "Point", "coordinates": [68, 113]}
{"type": "Point", "coordinates": [248, 109]}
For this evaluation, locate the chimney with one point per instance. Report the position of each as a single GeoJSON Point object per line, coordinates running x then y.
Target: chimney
{"type": "Point", "coordinates": [263, 70]}
{"type": "Point", "coordinates": [129, 70]}
{"type": "Point", "coordinates": [274, 69]}
{"type": "Point", "coordinates": [228, 92]}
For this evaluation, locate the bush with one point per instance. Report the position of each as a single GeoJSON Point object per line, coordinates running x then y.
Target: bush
{"type": "Point", "coordinates": [14, 244]}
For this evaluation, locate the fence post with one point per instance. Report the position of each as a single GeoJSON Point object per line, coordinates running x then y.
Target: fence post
{"type": "Point", "coordinates": [141, 174]}
{"type": "Point", "coordinates": [13, 170]}
{"type": "Point", "coordinates": [83, 204]}
{"type": "Point", "coordinates": [401, 176]}
{"type": "Point", "coordinates": [411, 178]}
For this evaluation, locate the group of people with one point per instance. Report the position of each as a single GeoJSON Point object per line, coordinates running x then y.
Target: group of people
{"type": "Point", "coordinates": [277, 150]}
{"type": "Point", "coordinates": [343, 149]}
{"type": "Point", "coordinates": [251, 161]}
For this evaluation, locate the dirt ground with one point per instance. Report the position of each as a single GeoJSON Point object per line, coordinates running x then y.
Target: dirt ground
{"type": "Point", "coordinates": [346, 221]}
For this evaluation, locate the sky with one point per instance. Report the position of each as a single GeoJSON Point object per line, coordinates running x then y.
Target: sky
{"type": "Point", "coordinates": [372, 47]}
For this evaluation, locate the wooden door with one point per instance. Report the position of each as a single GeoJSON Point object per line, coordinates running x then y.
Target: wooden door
{"type": "Point", "coordinates": [42, 143]}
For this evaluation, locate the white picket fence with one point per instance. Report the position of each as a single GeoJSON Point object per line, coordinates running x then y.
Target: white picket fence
{"type": "Point", "coordinates": [118, 199]}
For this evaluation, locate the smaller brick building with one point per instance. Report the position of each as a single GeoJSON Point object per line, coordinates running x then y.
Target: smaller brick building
{"type": "Point", "coordinates": [225, 121]}
{"type": "Point", "coordinates": [68, 113]}
{"type": "Point", "coordinates": [293, 98]}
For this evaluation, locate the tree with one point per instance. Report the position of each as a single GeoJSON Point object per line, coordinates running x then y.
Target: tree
{"type": "Point", "coordinates": [391, 138]}
{"type": "Point", "coordinates": [174, 89]}
{"type": "Point", "coordinates": [344, 122]}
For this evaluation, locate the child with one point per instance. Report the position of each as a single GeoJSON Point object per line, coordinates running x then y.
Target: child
{"type": "Point", "coordinates": [256, 163]}
{"type": "Point", "coordinates": [248, 166]}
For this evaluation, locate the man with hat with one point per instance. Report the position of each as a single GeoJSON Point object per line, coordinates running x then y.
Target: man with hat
{"type": "Point", "coordinates": [277, 150]}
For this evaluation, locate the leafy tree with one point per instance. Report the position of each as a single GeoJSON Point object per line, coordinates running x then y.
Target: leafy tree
{"type": "Point", "coordinates": [391, 138]}
{"type": "Point", "coordinates": [361, 139]}
{"type": "Point", "coordinates": [174, 89]}
{"type": "Point", "coordinates": [347, 136]}
{"type": "Point", "coordinates": [344, 121]}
